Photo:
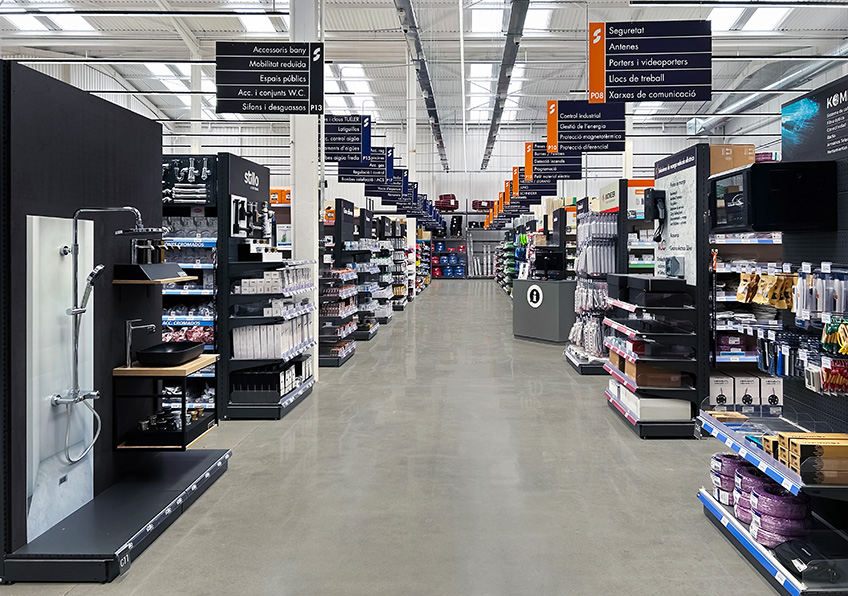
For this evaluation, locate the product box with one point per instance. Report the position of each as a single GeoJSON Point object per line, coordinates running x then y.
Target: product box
{"type": "Point", "coordinates": [785, 438]}
{"type": "Point", "coordinates": [771, 395]}
{"type": "Point", "coordinates": [819, 447]}
{"type": "Point", "coordinates": [824, 476]}
{"type": "Point", "coordinates": [648, 375]}
{"type": "Point", "coordinates": [743, 155]}
{"type": "Point", "coordinates": [613, 386]}
{"type": "Point", "coordinates": [817, 464]}
{"type": "Point", "coordinates": [721, 391]}
{"type": "Point", "coordinates": [721, 158]}
{"type": "Point", "coordinates": [616, 360]}
{"type": "Point", "coordinates": [770, 445]}
{"type": "Point", "coordinates": [746, 389]}
{"type": "Point", "coordinates": [782, 454]}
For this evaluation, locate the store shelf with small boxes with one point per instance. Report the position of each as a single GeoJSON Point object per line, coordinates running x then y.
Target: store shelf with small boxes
{"type": "Point", "coordinates": [653, 362]}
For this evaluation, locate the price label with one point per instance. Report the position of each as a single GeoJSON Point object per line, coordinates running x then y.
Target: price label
{"type": "Point", "coordinates": [787, 484]}
{"type": "Point", "coordinates": [805, 315]}
{"type": "Point", "coordinates": [729, 442]}
{"type": "Point", "coordinates": [827, 362]}
{"type": "Point", "coordinates": [825, 266]}
{"type": "Point", "coordinates": [761, 333]}
{"type": "Point", "coordinates": [802, 355]}
{"type": "Point", "coordinates": [748, 241]}
{"type": "Point", "coordinates": [749, 330]}
{"type": "Point", "coordinates": [785, 350]}
{"type": "Point", "coordinates": [787, 268]}
{"type": "Point", "coordinates": [806, 268]}
{"type": "Point", "coordinates": [781, 579]}
{"type": "Point", "coordinates": [743, 452]}
{"type": "Point", "coordinates": [724, 521]}
{"type": "Point", "coordinates": [762, 466]}
{"type": "Point", "coordinates": [826, 317]}
{"type": "Point", "coordinates": [772, 268]}
{"type": "Point", "coordinates": [772, 335]}
{"type": "Point", "coordinates": [777, 236]}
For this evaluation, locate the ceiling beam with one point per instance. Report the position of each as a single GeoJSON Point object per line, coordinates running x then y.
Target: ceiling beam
{"type": "Point", "coordinates": [517, 15]}
{"type": "Point", "coordinates": [409, 25]}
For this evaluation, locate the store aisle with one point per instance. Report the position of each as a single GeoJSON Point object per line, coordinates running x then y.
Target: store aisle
{"type": "Point", "coordinates": [446, 459]}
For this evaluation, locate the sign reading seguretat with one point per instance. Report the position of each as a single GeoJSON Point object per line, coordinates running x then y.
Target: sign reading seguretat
{"type": "Point", "coordinates": [650, 61]}
{"type": "Point", "coordinates": [584, 127]}
{"type": "Point", "coordinates": [269, 78]}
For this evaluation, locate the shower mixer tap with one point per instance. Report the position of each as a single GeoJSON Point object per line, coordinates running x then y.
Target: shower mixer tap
{"type": "Point", "coordinates": [205, 172]}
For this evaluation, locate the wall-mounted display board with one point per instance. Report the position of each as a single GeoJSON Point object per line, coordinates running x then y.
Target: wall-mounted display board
{"type": "Point", "coordinates": [347, 138]}
{"type": "Point", "coordinates": [581, 126]}
{"type": "Point", "coordinates": [650, 61]}
{"type": "Point", "coordinates": [815, 126]}
{"type": "Point", "coordinates": [379, 169]}
{"type": "Point", "coordinates": [269, 78]}
{"type": "Point", "coordinates": [541, 166]}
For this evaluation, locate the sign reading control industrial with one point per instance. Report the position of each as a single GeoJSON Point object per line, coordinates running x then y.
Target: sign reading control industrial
{"type": "Point", "coordinates": [269, 78]}
{"type": "Point", "coordinates": [581, 126]}
{"type": "Point", "coordinates": [650, 61]}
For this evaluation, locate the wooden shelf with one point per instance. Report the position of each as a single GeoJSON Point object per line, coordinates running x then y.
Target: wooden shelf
{"type": "Point", "coordinates": [154, 282]}
{"type": "Point", "coordinates": [183, 370]}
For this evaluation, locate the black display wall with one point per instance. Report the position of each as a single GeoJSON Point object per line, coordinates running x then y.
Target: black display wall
{"type": "Point", "coordinates": [62, 149]}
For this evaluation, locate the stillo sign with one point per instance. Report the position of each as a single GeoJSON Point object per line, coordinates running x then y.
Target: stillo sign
{"type": "Point", "coordinates": [269, 78]}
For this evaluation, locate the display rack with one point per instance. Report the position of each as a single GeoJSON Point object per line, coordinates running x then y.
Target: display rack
{"type": "Point", "coordinates": [482, 253]}
{"type": "Point", "coordinates": [453, 258]}
{"type": "Point", "coordinates": [423, 256]}
{"type": "Point", "coordinates": [343, 266]}
{"type": "Point", "coordinates": [264, 304]}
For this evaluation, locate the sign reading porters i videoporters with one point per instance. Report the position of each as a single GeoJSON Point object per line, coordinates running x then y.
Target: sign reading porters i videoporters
{"type": "Point", "coordinates": [269, 78]}
{"type": "Point", "coordinates": [650, 61]}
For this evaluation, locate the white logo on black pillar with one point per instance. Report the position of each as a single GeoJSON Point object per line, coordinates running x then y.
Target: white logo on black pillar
{"type": "Point", "coordinates": [535, 296]}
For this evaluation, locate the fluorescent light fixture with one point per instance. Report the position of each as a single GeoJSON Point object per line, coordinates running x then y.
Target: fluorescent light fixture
{"type": "Point", "coordinates": [723, 19]}
{"type": "Point", "coordinates": [486, 20]}
{"type": "Point", "coordinates": [352, 71]}
{"type": "Point", "coordinates": [160, 70]}
{"type": "Point", "coordinates": [537, 20]}
{"type": "Point", "coordinates": [358, 87]}
{"type": "Point", "coordinates": [766, 19]}
{"type": "Point", "coordinates": [331, 86]}
{"type": "Point", "coordinates": [480, 71]}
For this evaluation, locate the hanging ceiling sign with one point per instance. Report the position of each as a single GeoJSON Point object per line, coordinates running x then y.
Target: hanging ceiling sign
{"type": "Point", "coordinates": [531, 191]}
{"type": "Point", "coordinates": [269, 78]}
{"type": "Point", "coordinates": [347, 138]}
{"type": "Point", "coordinates": [392, 192]}
{"type": "Point", "coordinates": [541, 166]}
{"type": "Point", "coordinates": [378, 170]}
{"type": "Point", "coordinates": [584, 127]}
{"type": "Point", "coordinates": [650, 61]}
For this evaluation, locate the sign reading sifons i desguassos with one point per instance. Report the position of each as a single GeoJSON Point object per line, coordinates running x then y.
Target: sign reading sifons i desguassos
{"type": "Point", "coordinates": [269, 78]}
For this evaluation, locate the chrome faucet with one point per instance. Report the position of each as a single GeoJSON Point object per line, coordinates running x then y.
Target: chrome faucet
{"type": "Point", "coordinates": [130, 329]}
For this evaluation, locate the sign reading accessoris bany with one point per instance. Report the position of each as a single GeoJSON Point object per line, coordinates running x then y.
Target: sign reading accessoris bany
{"type": "Point", "coordinates": [269, 78]}
{"type": "Point", "coordinates": [650, 61]}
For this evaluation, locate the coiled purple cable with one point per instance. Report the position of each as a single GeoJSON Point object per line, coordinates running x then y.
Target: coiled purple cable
{"type": "Point", "coordinates": [726, 483]}
{"type": "Point", "coordinates": [748, 478]}
{"type": "Point", "coordinates": [727, 463]}
{"type": "Point", "coordinates": [725, 497]}
{"type": "Point", "coordinates": [775, 501]}
{"type": "Point", "coordinates": [742, 513]}
{"type": "Point", "coordinates": [766, 538]}
{"type": "Point", "coordinates": [782, 525]}
{"type": "Point", "coordinates": [742, 499]}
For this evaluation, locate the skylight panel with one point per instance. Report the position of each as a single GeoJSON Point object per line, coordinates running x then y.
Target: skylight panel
{"type": "Point", "coordinates": [723, 19]}
{"type": "Point", "coordinates": [480, 71]}
{"type": "Point", "coordinates": [537, 20]}
{"type": "Point", "coordinates": [358, 87]}
{"type": "Point", "coordinates": [766, 19]}
{"type": "Point", "coordinates": [486, 20]}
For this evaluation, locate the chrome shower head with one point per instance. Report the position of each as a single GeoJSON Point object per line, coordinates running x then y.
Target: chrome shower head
{"type": "Point", "coordinates": [89, 285]}
{"type": "Point", "coordinates": [95, 273]}
{"type": "Point", "coordinates": [139, 231]}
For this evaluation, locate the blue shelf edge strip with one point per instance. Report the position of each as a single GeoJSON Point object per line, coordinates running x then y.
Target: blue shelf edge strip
{"type": "Point", "coordinates": [789, 584]}
{"type": "Point", "coordinates": [761, 464]}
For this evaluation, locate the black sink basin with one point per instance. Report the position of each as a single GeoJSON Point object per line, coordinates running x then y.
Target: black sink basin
{"type": "Point", "coordinates": [171, 353]}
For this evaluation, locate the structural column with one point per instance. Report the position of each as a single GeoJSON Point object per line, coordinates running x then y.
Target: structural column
{"type": "Point", "coordinates": [306, 196]}
{"type": "Point", "coordinates": [411, 143]}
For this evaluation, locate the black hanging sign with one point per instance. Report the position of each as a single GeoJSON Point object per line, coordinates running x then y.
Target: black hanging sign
{"type": "Point", "coordinates": [269, 78]}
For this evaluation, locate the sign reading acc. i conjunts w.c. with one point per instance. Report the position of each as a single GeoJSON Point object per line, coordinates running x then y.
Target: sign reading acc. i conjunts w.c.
{"type": "Point", "coordinates": [269, 78]}
{"type": "Point", "coordinates": [650, 61]}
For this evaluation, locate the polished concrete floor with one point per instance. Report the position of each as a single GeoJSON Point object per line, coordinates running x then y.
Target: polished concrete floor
{"type": "Point", "coordinates": [446, 458]}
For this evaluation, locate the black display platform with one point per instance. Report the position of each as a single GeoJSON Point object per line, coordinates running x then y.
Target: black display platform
{"type": "Point", "coordinates": [99, 541]}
